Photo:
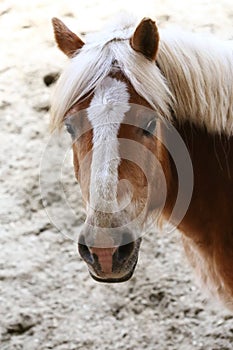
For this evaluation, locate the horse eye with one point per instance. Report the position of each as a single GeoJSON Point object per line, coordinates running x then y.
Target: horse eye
{"type": "Point", "coordinates": [150, 128]}
{"type": "Point", "coordinates": [70, 129]}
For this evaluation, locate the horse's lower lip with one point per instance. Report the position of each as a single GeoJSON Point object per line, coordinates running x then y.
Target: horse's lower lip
{"type": "Point", "coordinates": [114, 280]}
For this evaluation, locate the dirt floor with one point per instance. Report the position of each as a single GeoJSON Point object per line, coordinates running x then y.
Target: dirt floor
{"type": "Point", "coordinates": [47, 299]}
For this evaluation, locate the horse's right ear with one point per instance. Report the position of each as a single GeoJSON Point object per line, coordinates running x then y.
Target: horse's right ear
{"type": "Point", "coordinates": [67, 41]}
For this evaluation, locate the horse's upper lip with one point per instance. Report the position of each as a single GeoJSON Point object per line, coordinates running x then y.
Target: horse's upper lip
{"type": "Point", "coordinates": [124, 278]}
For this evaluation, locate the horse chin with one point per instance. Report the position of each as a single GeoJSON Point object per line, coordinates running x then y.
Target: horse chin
{"type": "Point", "coordinates": [124, 278]}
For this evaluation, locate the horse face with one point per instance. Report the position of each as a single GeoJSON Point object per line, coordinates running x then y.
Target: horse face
{"type": "Point", "coordinates": [117, 156]}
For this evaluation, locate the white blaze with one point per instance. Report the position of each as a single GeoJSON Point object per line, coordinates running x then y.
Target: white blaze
{"type": "Point", "coordinates": [106, 112]}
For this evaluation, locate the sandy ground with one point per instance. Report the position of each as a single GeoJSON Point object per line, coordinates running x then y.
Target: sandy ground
{"type": "Point", "coordinates": [47, 299]}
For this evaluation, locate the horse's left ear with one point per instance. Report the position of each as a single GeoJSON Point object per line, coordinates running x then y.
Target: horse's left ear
{"type": "Point", "coordinates": [67, 41]}
{"type": "Point", "coordinates": [146, 39]}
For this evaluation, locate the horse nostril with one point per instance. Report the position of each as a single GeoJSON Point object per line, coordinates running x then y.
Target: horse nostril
{"type": "Point", "coordinates": [124, 251]}
{"type": "Point", "coordinates": [126, 248]}
{"type": "Point", "coordinates": [84, 251]}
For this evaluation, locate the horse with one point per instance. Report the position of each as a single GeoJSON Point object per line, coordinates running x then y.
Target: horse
{"type": "Point", "coordinates": [122, 92]}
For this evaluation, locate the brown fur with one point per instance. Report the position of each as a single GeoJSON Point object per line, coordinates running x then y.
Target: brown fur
{"type": "Point", "coordinates": [208, 223]}
{"type": "Point", "coordinates": [207, 226]}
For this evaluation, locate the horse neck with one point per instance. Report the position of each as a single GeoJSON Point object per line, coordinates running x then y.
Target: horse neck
{"type": "Point", "coordinates": [211, 206]}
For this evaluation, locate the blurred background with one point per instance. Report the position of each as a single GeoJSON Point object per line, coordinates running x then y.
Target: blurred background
{"type": "Point", "coordinates": [47, 299]}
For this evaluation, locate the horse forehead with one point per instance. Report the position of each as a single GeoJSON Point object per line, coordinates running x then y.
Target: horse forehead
{"type": "Point", "coordinates": [108, 107]}
{"type": "Point", "coordinates": [112, 86]}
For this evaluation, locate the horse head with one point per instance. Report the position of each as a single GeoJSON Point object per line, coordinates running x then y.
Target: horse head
{"type": "Point", "coordinates": [119, 159]}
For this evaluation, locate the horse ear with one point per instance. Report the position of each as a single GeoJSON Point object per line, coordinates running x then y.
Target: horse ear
{"type": "Point", "coordinates": [67, 41]}
{"type": "Point", "coordinates": [146, 39]}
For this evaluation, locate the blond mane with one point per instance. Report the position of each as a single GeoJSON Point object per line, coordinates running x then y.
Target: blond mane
{"type": "Point", "coordinates": [194, 77]}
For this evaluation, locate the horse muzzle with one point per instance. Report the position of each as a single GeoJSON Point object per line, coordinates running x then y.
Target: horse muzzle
{"type": "Point", "coordinates": [111, 264]}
